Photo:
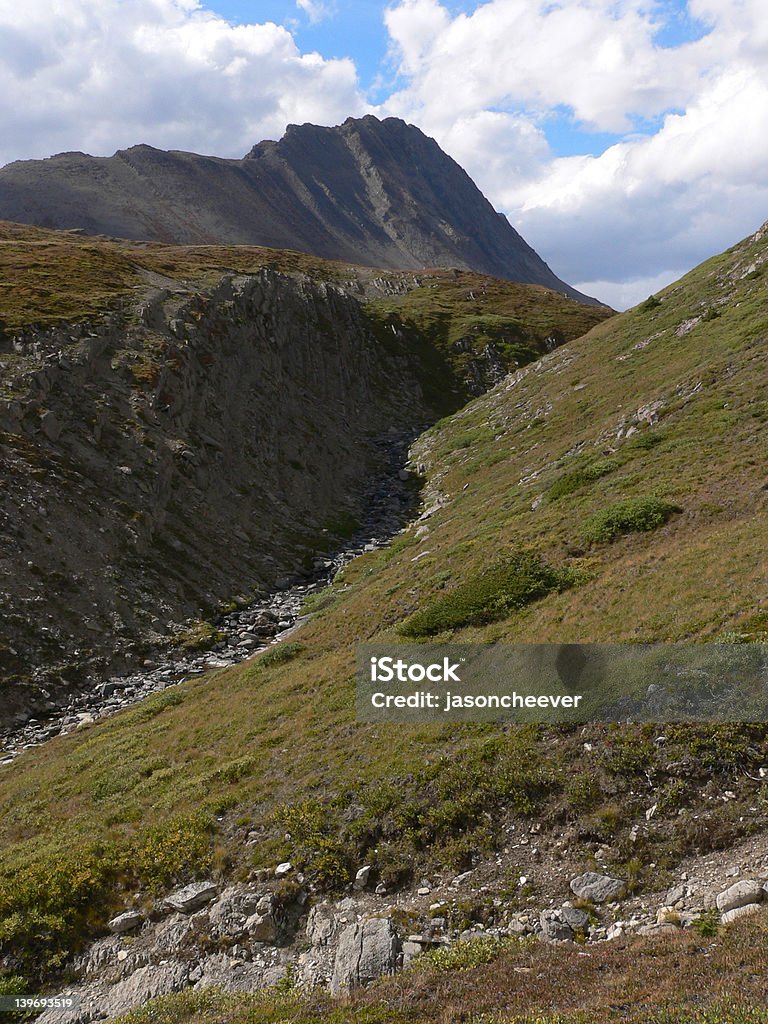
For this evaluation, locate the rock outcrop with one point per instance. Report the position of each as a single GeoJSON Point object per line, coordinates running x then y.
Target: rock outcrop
{"type": "Point", "coordinates": [378, 193]}
{"type": "Point", "coordinates": [206, 444]}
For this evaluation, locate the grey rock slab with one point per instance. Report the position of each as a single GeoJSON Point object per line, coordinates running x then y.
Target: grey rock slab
{"type": "Point", "coordinates": [739, 895]}
{"type": "Point", "coordinates": [126, 922]}
{"type": "Point", "coordinates": [366, 951]}
{"type": "Point", "coordinates": [321, 925]}
{"type": "Point", "coordinates": [596, 887]}
{"type": "Point", "coordinates": [664, 928]}
{"type": "Point", "coordinates": [262, 928]}
{"type": "Point", "coordinates": [141, 986]}
{"type": "Point", "coordinates": [314, 967]}
{"type": "Point", "coordinates": [575, 918]}
{"type": "Point", "coordinates": [227, 916]}
{"type": "Point", "coordinates": [192, 897]}
{"type": "Point", "coordinates": [554, 928]}
{"type": "Point", "coordinates": [50, 425]}
{"type": "Point", "coordinates": [745, 910]}
{"type": "Point", "coordinates": [224, 972]}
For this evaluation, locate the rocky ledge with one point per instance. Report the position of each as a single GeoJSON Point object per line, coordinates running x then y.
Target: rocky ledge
{"type": "Point", "coordinates": [273, 929]}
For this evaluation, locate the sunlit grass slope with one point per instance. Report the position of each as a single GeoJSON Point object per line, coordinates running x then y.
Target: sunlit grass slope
{"type": "Point", "coordinates": [632, 460]}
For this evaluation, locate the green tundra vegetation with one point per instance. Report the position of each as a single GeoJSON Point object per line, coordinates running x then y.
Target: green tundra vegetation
{"type": "Point", "coordinates": [613, 490]}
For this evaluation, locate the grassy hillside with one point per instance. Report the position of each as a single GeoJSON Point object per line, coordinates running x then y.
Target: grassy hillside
{"type": "Point", "coordinates": [633, 460]}
{"type": "Point", "coordinates": [144, 363]}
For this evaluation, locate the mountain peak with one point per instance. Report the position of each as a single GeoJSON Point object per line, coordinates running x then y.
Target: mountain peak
{"type": "Point", "coordinates": [369, 191]}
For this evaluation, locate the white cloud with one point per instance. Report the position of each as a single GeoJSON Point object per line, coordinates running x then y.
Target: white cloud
{"type": "Point", "coordinates": [315, 10]}
{"type": "Point", "coordinates": [621, 295]}
{"type": "Point", "coordinates": [98, 75]}
{"type": "Point", "coordinates": [595, 56]}
{"type": "Point", "coordinates": [486, 84]}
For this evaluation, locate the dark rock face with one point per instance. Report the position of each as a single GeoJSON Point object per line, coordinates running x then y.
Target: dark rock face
{"type": "Point", "coordinates": [379, 193]}
{"type": "Point", "coordinates": [205, 444]}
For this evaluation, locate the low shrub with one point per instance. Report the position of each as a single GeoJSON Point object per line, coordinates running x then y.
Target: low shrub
{"type": "Point", "coordinates": [492, 593]}
{"type": "Point", "coordinates": [50, 908]}
{"type": "Point", "coordinates": [463, 956]}
{"type": "Point", "coordinates": [633, 515]}
{"type": "Point", "coordinates": [277, 655]}
{"type": "Point", "coordinates": [582, 477]}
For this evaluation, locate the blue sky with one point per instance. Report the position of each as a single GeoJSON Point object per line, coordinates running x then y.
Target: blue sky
{"type": "Point", "coordinates": [356, 30]}
{"type": "Point", "coordinates": [625, 139]}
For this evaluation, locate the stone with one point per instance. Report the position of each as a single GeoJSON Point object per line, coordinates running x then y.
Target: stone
{"type": "Point", "coordinates": [666, 927]}
{"type": "Point", "coordinates": [50, 425]}
{"type": "Point", "coordinates": [126, 922]}
{"type": "Point", "coordinates": [553, 928]}
{"type": "Point", "coordinates": [517, 927]}
{"type": "Point", "coordinates": [366, 951]}
{"type": "Point", "coordinates": [575, 918]}
{"type": "Point", "coordinates": [313, 968]}
{"type": "Point", "coordinates": [283, 869]}
{"type": "Point", "coordinates": [739, 895]}
{"type": "Point", "coordinates": [745, 910]}
{"type": "Point", "coordinates": [227, 916]}
{"type": "Point", "coordinates": [263, 926]}
{"type": "Point", "coordinates": [597, 888]}
{"type": "Point", "coordinates": [192, 897]}
{"type": "Point", "coordinates": [462, 878]}
{"type": "Point", "coordinates": [138, 988]}
{"type": "Point", "coordinates": [667, 915]}
{"type": "Point", "coordinates": [321, 925]}
{"type": "Point", "coordinates": [231, 975]}
{"type": "Point", "coordinates": [362, 876]}
{"type": "Point", "coordinates": [677, 893]}
{"type": "Point", "coordinates": [411, 949]}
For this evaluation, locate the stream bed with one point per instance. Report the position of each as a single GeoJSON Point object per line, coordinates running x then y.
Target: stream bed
{"type": "Point", "coordinates": [390, 505]}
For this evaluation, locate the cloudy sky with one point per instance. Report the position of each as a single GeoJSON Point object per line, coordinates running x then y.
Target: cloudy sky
{"type": "Point", "coordinates": [626, 139]}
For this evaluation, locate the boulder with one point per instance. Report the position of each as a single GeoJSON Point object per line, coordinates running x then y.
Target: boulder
{"type": "Point", "coordinates": [554, 928]}
{"type": "Point", "coordinates": [666, 927]}
{"type": "Point", "coordinates": [366, 951]}
{"type": "Point", "coordinates": [597, 888]}
{"type": "Point", "coordinates": [283, 869]}
{"type": "Point", "coordinates": [321, 925]}
{"type": "Point", "coordinates": [145, 984]}
{"type": "Point", "coordinates": [126, 922]}
{"type": "Point", "coordinates": [667, 915]}
{"type": "Point", "coordinates": [745, 910]}
{"type": "Point", "coordinates": [50, 425]}
{"type": "Point", "coordinates": [362, 876]}
{"type": "Point", "coordinates": [192, 897]}
{"type": "Point", "coordinates": [314, 968]}
{"type": "Point", "coordinates": [739, 895]}
{"type": "Point", "coordinates": [574, 918]}
{"type": "Point", "coordinates": [263, 926]}
{"type": "Point", "coordinates": [229, 913]}
{"type": "Point", "coordinates": [229, 974]}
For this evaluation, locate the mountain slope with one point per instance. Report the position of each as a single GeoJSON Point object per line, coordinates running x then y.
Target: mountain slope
{"type": "Point", "coordinates": [181, 426]}
{"type": "Point", "coordinates": [372, 192]}
{"type": "Point", "coordinates": [666, 402]}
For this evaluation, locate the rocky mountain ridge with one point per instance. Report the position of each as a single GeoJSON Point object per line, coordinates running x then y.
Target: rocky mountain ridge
{"type": "Point", "coordinates": [142, 490]}
{"type": "Point", "coordinates": [372, 192]}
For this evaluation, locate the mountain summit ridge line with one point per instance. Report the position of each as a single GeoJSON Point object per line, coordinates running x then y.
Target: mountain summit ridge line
{"type": "Point", "coordinates": [377, 193]}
